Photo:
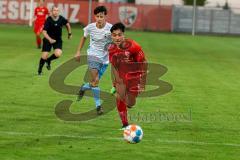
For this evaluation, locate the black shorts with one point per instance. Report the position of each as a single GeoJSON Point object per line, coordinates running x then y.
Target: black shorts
{"type": "Point", "coordinates": [47, 46]}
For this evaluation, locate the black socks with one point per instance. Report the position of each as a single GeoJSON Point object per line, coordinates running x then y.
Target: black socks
{"type": "Point", "coordinates": [52, 57]}
{"type": "Point", "coordinates": [41, 64]}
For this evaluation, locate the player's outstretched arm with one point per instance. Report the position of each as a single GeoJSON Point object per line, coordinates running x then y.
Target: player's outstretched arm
{"type": "Point", "coordinates": [69, 30]}
{"type": "Point", "coordinates": [48, 37]}
{"type": "Point", "coordinates": [80, 46]}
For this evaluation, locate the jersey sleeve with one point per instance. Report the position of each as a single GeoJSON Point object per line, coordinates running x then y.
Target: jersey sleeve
{"type": "Point", "coordinates": [86, 31]}
{"type": "Point", "coordinates": [140, 57]}
{"type": "Point", "coordinates": [46, 11]}
{"type": "Point", "coordinates": [64, 21]}
{"type": "Point", "coordinates": [35, 12]}
{"type": "Point", "coordinates": [111, 51]}
{"type": "Point", "coordinates": [138, 52]}
{"type": "Point", "coordinates": [46, 25]}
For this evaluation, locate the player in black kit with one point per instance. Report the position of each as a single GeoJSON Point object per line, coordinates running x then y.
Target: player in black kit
{"type": "Point", "coordinates": [52, 32]}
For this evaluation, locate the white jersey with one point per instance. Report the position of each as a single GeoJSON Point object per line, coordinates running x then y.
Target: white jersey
{"type": "Point", "coordinates": [99, 38]}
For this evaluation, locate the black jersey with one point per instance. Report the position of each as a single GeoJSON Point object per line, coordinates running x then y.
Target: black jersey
{"type": "Point", "coordinates": [54, 28]}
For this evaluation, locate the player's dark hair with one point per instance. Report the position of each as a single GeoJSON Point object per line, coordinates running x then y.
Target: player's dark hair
{"type": "Point", "coordinates": [100, 9]}
{"type": "Point", "coordinates": [117, 26]}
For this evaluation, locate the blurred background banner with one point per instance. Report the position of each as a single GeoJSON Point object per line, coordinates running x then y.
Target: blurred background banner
{"type": "Point", "coordinates": [136, 16]}
{"type": "Point", "coordinates": [153, 15]}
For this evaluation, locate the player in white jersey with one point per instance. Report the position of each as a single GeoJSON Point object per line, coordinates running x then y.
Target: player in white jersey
{"type": "Point", "coordinates": [100, 36]}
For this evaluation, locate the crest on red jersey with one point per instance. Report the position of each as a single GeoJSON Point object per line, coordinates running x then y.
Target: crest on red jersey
{"type": "Point", "coordinates": [128, 15]}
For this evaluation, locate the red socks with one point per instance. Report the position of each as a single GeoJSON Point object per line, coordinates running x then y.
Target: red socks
{"type": "Point", "coordinates": [39, 41]}
{"type": "Point", "coordinates": [122, 110]}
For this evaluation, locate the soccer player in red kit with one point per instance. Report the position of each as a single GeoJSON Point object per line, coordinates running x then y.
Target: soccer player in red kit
{"type": "Point", "coordinates": [129, 70]}
{"type": "Point", "coordinates": [40, 14]}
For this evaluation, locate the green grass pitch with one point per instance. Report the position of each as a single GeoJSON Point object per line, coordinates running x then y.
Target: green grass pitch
{"type": "Point", "coordinates": [203, 70]}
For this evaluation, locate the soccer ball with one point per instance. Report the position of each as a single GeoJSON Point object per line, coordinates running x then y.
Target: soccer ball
{"type": "Point", "coordinates": [133, 134]}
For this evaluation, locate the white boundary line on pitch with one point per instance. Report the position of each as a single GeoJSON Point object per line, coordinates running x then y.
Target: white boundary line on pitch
{"type": "Point", "coordinates": [10, 133]}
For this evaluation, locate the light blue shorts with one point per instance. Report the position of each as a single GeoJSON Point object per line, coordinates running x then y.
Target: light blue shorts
{"type": "Point", "coordinates": [99, 66]}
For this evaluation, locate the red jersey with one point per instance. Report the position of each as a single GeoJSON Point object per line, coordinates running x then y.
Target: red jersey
{"type": "Point", "coordinates": [130, 63]}
{"type": "Point", "coordinates": [41, 13]}
{"type": "Point", "coordinates": [128, 52]}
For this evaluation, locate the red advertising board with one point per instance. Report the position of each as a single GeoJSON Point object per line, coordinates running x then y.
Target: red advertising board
{"type": "Point", "coordinates": [145, 17]}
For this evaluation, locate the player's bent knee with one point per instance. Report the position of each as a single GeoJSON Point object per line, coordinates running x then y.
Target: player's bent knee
{"type": "Point", "coordinates": [119, 96]}
{"type": "Point", "coordinates": [131, 101]}
{"type": "Point", "coordinates": [44, 55]}
{"type": "Point", "coordinates": [58, 52]}
{"type": "Point", "coordinates": [94, 83]}
{"type": "Point", "coordinates": [131, 104]}
{"type": "Point", "coordinates": [129, 107]}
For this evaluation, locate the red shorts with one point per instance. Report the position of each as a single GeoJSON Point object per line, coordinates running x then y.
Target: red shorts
{"type": "Point", "coordinates": [135, 83]}
{"type": "Point", "coordinates": [38, 28]}
{"type": "Point", "coordinates": [133, 75]}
